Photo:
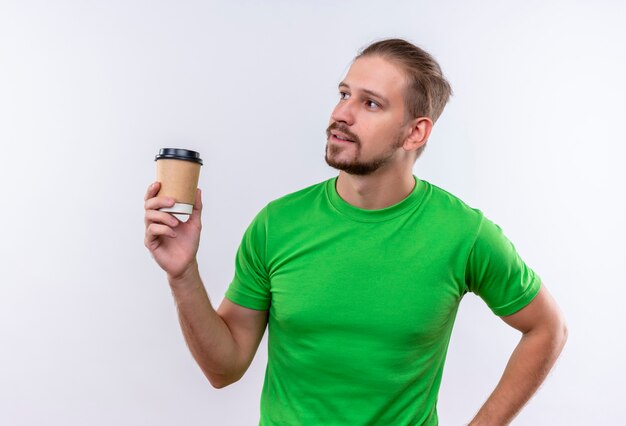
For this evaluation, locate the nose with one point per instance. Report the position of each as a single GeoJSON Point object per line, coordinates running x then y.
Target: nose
{"type": "Point", "coordinates": [343, 112]}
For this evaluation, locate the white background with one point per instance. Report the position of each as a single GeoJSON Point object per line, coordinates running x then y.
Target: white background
{"type": "Point", "coordinates": [90, 90]}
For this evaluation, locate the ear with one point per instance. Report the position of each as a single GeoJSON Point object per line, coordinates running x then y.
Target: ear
{"type": "Point", "coordinates": [419, 131]}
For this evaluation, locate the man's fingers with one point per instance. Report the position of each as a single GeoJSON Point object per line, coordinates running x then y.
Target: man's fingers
{"type": "Point", "coordinates": [152, 191]}
{"type": "Point", "coordinates": [155, 216]}
{"type": "Point", "coordinates": [156, 203]}
{"type": "Point", "coordinates": [156, 230]}
{"type": "Point", "coordinates": [197, 208]}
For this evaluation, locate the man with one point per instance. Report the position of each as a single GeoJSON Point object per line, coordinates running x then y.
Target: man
{"type": "Point", "coordinates": [359, 278]}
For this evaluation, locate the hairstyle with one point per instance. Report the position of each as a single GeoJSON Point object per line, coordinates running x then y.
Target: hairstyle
{"type": "Point", "coordinates": [428, 91]}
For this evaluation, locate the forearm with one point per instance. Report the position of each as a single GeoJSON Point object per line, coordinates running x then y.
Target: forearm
{"type": "Point", "coordinates": [207, 335]}
{"type": "Point", "coordinates": [527, 368]}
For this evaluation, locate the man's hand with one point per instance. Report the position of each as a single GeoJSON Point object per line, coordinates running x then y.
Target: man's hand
{"type": "Point", "coordinates": [222, 343]}
{"type": "Point", "coordinates": [173, 243]}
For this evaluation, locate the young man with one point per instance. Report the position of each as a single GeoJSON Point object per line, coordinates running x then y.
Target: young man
{"type": "Point", "coordinates": [359, 278]}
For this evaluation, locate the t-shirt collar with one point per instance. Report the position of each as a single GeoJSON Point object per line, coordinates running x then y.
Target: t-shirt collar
{"type": "Point", "coordinates": [376, 215]}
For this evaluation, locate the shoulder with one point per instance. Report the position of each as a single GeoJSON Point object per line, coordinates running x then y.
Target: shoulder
{"type": "Point", "coordinates": [451, 209]}
{"type": "Point", "coordinates": [301, 199]}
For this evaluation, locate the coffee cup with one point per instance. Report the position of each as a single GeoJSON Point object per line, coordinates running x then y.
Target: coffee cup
{"type": "Point", "coordinates": [178, 171]}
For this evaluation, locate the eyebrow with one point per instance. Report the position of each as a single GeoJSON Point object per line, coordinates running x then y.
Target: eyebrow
{"type": "Point", "coordinates": [367, 91]}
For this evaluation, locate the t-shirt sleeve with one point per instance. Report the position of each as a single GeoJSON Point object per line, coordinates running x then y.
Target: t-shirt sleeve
{"type": "Point", "coordinates": [497, 274]}
{"type": "Point", "coordinates": [250, 286]}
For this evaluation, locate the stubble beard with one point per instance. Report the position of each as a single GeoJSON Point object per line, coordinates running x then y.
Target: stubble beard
{"type": "Point", "coordinates": [356, 166]}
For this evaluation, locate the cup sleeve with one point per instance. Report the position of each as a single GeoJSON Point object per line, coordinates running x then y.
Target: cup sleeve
{"type": "Point", "coordinates": [497, 273]}
{"type": "Point", "coordinates": [250, 286]}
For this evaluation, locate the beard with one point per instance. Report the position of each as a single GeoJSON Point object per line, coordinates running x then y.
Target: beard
{"type": "Point", "coordinates": [356, 166]}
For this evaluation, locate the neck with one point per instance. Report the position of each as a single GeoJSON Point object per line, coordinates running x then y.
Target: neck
{"type": "Point", "coordinates": [373, 192]}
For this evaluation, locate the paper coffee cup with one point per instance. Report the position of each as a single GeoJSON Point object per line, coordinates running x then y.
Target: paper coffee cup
{"type": "Point", "coordinates": [178, 171]}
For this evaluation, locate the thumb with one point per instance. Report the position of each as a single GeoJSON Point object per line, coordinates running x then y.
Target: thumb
{"type": "Point", "coordinates": [197, 208]}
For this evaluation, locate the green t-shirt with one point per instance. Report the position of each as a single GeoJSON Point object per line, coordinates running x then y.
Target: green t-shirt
{"type": "Point", "coordinates": [362, 302]}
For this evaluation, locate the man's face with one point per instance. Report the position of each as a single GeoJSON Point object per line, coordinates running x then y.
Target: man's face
{"type": "Point", "coordinates": [370, 114]}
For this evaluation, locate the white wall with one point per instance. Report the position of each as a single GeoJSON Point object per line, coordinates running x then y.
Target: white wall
{"type": "Point", "coordinates": [89, 91]}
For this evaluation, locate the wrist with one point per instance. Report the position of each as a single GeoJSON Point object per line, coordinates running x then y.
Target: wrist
{"type": "Point", "coordinates": [189, 276]}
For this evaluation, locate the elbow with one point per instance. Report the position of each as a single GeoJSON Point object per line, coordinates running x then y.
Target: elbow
{"type": "Point", "coordinates": [563, 333]}
{"type": "Point", "coordinates": [556, 336]}
{"type": "Point", "coordinates": [219, 381]}
{"type": "Point", "coordinates": [218, 384]}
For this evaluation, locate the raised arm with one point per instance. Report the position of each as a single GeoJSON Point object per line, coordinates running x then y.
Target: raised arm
{"type": "Point", "coordinates": [222, 342]}
{"type": "Point", "coordinates": [544, 334]}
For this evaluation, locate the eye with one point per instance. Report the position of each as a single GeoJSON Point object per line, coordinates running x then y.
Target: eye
{"type": "Point", "coordinates": [372, 104]}
{"type": "Point", "coordinates": [343, 96]}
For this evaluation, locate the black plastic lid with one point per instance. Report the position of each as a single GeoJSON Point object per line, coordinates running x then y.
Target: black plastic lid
{"type": "Point", "coordinates": [179, 154]}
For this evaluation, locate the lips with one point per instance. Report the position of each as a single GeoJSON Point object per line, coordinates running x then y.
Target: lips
{"type": "Point", "coordinates": [340, 133]}
{"type": "Point", "coordinates": [340, 136]}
